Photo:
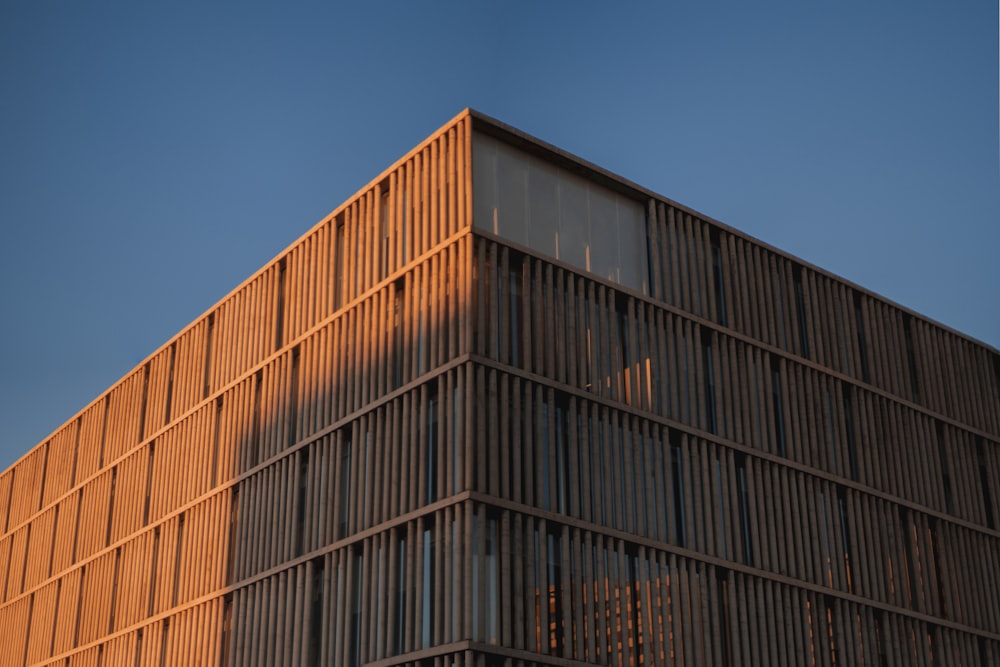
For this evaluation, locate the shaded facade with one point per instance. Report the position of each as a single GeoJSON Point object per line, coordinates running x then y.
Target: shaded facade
{"type": "Point", "coordinates": [504, 408]}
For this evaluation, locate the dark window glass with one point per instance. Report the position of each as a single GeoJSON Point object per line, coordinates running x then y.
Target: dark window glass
{"type": "Point", "coordinates": [831, 443]}
{"type": "Point", "coordinates": [545, 501]}
{"type": "Point", "coordinates": [601, 467]}
{"type": "Point", "coordinates": [280, 315]}
{"type": "Point", "coordinates": [680, 527]}
{"type": "Point", "coordinates": [397, 335]}
{"type": "Point", "coordinates": [760, 420]}
{"type": "Point", "coordinates": [234, 525]}
{"type": "Point", "coordinates": [402, 587]}
{"type": "Point", "coordinates": [725, 623]}
{"type": "Point", "coordinates": [996, 369]}
{"type": "Point", "coordinates": [384, 236]}
{"type": "Point", "coordinates": [883, 659]}
{"type": "Point", "coordinates": [515, 311]}
{"type": "Point", "coordinates": [354, 648]}
{"type": "Point", "coordinates": [720, 299]}
{"type": "Point", "coordinates": [344, 485]}
{"type": "Point", "coordinates": [852, 450]}
{"type": "Point", "coordinates": [316, 606]}
{"type": "Point", "coordinates": [862, 343]}
{"type": "Point", "coordinates": [303, 496]}
{"type": "Point", "coordinates": [164, 640]}
{"type": "Point", "coordinates": [432, 449]}
{"type": "Point", "coordinates": [634, 630]}
{"type": "Point", "coordinates": [800, 309]}
{"type": "Point", "coordinates": [492, 585]}
{"type": "Point", "coordinates": [779, 409]}
{"type": "Point", "coordinates": [721, 505]}
{"type": "Point", "coordinates": [428, 588]}
{"type": "Point", "coordinates": [826, 529]}
{"type": "Point", "coordinates": [404, 228]}
{"type": "Point", "coordinates": [910, 356]}
{"type": "Point", "coordinates": [935, 553]}
{"type": "Point", "coordinates": [779, 285]}
{"type": "Point", "coordinates": [256, 455]}
{"type": "Point", "coordinates": [741, 481]}
{"type": "Point", "coordinates": [340, 270]}
{"type": "Point", "coordinates": [845, 544]}
{"type": "Point", "coordinates": [478, 577]}
{"type": "Point", "coordinates": [293, 399]}
{"type": "Point", "coordinates": [686, 409]}
{"type": "Point", "coordinates": [945, 473]}
{"type": "Point", "coordinates": [422, 338]}
{"type": "Point", "coordinates": [562, 449]}
{"type": "Point", "coordinates": [984, 482]}
{"type": "Point", "coordinates": [208, 355]}
{"type": "Point", "coordinates": [908, 565]}
{"type": "Point", "coordinates": [456, 468]}
{"type": "Point", "coordinates": [709, 381]}
{"type": "Point", "coordinates": [554, 588]}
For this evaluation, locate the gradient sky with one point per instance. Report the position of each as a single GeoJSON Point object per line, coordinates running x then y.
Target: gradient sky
{"type": "Point", "coordinates": [153, 158]}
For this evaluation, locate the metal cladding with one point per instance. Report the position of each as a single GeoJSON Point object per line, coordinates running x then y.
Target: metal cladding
{"type": "Point", "coordinates": [413, 439]}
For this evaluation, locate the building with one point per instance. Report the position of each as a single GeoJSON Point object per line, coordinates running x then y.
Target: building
{"type": "Point", "coordinates": [505, 408]}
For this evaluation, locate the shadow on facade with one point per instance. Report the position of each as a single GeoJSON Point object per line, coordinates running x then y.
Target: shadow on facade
{"type": "Point", "coordinates": [340, 534]}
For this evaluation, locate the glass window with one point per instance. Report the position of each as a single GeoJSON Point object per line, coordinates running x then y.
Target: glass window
{"type": "Point", "coordinates": [631, 226]}
{"type": "Point", "coordinates": [484, 167]}
{"type": "Point", "coordinates": [557, 213]}
{"type": "Point", "coordinates": [345, 484]}
{"type": "Point", "coordinates": [543, 209]}
{"type": "Point", "coordinates": [432, 447]}
{"type": "Point", "coordinates": [316, 604]}
{"type": "Point", "coordinates": [384, 235]}
{"type": "Point", "coordinates": [574, 223]}
{"type": "Point", "coordinates": [741, 482]}
{"type": "Point", "coordinates": [510, 218]}
{"type": "Point", "coordinates": [428, 592]}
{"type": "Point", "coordinates": [604, 237]}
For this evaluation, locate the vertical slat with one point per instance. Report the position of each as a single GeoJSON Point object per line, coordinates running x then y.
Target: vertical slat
{"type": "Point", "coordinates": [87, 558]}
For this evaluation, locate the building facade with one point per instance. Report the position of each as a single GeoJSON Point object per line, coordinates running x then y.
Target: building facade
{"type": "Point", "coordinates": [505, 408]}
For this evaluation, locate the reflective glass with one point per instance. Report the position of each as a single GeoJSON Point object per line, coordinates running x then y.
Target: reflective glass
{"type": "Point", "coordinates": [604, 235]}
{"type": "Point", "coordinates": [632, 244]}
{"type": "Point", "coordinates": [557, 213]}
{"type": "Point", "coordinates": [574, 223]}
{"type": "Point", "coordinates": [484, 166]}
{"type": "Point", "coordinates": [543, 208]}
{"type": "Point", "coordinates": [512, 195]}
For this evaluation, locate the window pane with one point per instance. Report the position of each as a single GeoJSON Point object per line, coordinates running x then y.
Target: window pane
{"type": "Point", "coordinates": [512, 194]}
{"type": "Point", "coordinates": [603, 235]}
{"type": "Point", "coordinates": [574, 223]}
{"type": "Point", "coordinates": [632, 244]}
{"type": "Point", "coordinates": [484, 180]}
{"type": "Point", "coordinates": [557, 213]}
{"type": "Point", "coordinates": [543, 208]}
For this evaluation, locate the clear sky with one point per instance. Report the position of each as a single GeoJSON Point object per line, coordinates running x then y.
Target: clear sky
{"type": "Point", "coordinates": [151, 158]}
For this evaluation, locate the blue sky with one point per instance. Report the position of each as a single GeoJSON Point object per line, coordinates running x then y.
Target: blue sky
{"type": "Point", "coordinates": [151, 158]}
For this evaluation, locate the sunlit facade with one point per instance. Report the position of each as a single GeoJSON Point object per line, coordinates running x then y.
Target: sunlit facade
{"type": "Point", "coordinates": [502, 407]}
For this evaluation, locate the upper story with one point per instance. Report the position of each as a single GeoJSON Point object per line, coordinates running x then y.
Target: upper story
{"type": "Point", "coordinates": [438, 217]}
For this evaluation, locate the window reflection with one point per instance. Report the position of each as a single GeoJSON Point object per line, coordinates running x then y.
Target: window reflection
{"type": "Point", "coordinates": [559, 214]}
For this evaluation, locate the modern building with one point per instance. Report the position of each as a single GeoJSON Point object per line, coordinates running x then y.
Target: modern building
{"type": "Point", "coordinates": [503, 407]}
